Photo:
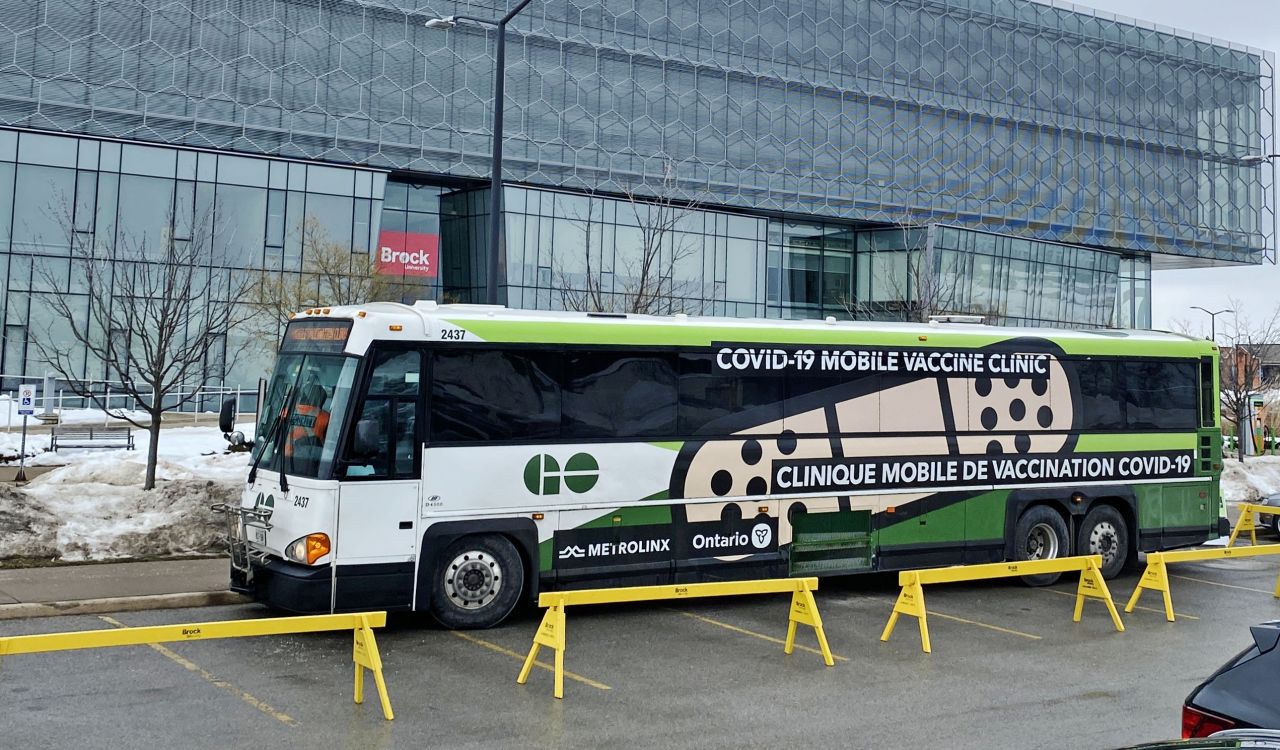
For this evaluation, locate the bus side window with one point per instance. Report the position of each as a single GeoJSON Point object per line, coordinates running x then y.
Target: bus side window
{"type": "Point", "coordinates": [618, 394]}
{"type": "Point", "coordinates": [478, 396]}
{"type": "Point", "coordinates": [384, 441]}
{"type": "Point", "coordinates": [365, 455]}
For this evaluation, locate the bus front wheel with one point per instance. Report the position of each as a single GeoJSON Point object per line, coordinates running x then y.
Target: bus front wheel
{"type": "Point", "coordinates": [1105, 533]}
{"type": "Point", "coordinates": [1040, 534]}
{"type": "Point", "coordinates": [477, 582]}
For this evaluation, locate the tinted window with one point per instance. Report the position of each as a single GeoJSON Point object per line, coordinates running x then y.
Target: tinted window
{"type": "Point", "coordinates": [1101, 406]}
{"type": "Point", "coordinates": [1137, 395]}
{"type": "Point", "coordinates": [403, 442]}
{"type": "Point", "coordinates": [366, 454]}
{"type": "Point", "coordinates": [395, 374]}
{"type": "Point", "coordinates": [619, 395]}
{"type": "Point", "coordinates": [1161, 395]}
{"type": "Point", "coordinates": [493, 395]}
{"type": "Point", "coordinates": [384, 441]}
{"type": "Point", "coordinates": [1206, 392]}
{"type": "Point", "coordinates": [707, 395]}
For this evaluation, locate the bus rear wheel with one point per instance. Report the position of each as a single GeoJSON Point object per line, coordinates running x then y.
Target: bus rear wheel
{"type": "Point", "coordinates": [1040, 534]}
{"type": "Point", "coordinates": [1105, 533]}
{"type": "Point", "coordinates": [476, 582]}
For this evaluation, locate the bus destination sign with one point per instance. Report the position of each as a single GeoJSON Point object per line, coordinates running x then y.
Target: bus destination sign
{"type": "Point", "coordinates": [323, 336]}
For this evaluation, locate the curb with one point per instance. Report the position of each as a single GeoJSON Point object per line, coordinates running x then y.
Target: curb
{"type": "Point", "coordinates": [120, 604]}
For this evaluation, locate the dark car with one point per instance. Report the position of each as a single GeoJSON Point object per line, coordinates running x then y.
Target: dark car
{"type": "Point", "coordinates": [1268, 520]}
{"type": "Point", "coordinates": [1242, 694]}
{"type": "Point", "coordinates": [1232, 739]}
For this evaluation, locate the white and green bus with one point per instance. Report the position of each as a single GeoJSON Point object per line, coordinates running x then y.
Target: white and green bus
{"type": "Point", "coordinates": [458, 459]}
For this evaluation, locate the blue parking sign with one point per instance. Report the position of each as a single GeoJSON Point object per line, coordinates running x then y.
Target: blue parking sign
{"type": "Point", "coordinates": [26, 400]}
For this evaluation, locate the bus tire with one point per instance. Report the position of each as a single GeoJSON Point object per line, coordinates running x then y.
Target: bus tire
{"type": "Point", "coordinates": [1040, 534]}
{"type": "Point", "coordinates": [476, 582]}
{"type": "Point", "coordinates": [1104, 532]}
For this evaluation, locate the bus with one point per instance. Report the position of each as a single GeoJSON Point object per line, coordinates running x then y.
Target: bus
{"type": "Point", "coordinates": [459, 459]}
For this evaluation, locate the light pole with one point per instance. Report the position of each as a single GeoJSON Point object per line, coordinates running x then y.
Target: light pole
{"type": "Point", "coordinates": [495, 184]}
{"type": "Point", "coordinates": [1213, 321]}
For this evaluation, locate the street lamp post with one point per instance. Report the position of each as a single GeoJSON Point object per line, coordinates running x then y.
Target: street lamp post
{"type": "Point", "coordinates": [495, 183]}
{"type": "Point", "coordinates": [1213, 321]}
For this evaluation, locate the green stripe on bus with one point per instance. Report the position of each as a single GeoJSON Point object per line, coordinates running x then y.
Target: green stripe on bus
{"type": "Point", "coordinates": [674, 445]}
{"type": "Point", "coordinates": [553, 332]}
{"type": "Point", "coordinates": [640, 515]}
{"type": "Point", "coordinates": [1135, 441]}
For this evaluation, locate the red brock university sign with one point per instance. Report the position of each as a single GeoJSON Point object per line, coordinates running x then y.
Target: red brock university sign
{"type": "Point", "coordinates": [408, 254]}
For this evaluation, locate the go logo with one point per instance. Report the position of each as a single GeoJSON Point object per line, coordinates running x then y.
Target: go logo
{"type": "Point", "coordinates": [543, 475]}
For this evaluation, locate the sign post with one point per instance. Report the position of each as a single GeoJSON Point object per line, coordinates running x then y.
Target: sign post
{"type": "Point", "coordinates": [26, 407]}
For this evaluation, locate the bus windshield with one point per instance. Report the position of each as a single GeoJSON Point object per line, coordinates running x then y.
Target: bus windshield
{"type": "Point", "coordinates": [299, 427]}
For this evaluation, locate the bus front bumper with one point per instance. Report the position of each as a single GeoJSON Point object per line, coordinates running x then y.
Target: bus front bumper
{"type": "Point", "coordinates": [287, 586]}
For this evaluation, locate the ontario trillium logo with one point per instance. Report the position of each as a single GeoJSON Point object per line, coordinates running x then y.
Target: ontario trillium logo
{"type": "Point", "coordinates": [543, 475]}
{"type": "Point", "coordinates": [761, 534]}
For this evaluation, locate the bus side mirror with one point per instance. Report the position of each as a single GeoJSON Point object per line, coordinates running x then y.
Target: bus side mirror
{"type": "Point", "coordinates": [227, 416]}
{"type": "Point", "coordinates": [368, 439]}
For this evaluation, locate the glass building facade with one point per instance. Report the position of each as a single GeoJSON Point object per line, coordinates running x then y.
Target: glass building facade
{"type": "Point", "coordinates": [1031, 161]}
{"type": "Point", "coordinates": [258, 216]}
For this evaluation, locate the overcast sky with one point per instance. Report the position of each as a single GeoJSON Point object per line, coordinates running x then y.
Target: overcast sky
{"type": "Point", "coordinates": [1257, 24]}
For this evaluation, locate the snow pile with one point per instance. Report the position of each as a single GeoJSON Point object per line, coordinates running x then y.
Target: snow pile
{"type": "Point", "coordinates": [11, 445]}
{"type": "Point", "coordinates": [94, 508]}
{"type": "Point", "coordinates": [1246, 482]}
{"type": "Point", "coordinates": [104, 514]}
{"type": "Point", "coordinates": [27, 528]}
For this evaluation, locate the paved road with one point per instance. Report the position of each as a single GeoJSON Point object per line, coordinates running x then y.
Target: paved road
{"type": "Point", "coordinates": [1009, 670]}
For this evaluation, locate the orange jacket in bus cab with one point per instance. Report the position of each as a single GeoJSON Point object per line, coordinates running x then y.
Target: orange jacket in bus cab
{"type": "Point", "coordinates": [309, 421]}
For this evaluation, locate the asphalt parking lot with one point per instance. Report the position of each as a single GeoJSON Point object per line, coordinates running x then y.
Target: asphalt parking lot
{"type": "Point", "coordinates": [1008, 670]}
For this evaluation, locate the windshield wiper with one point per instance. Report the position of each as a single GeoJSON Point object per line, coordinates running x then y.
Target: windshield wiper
{"type": "Point", "coordinates": [272, 438]}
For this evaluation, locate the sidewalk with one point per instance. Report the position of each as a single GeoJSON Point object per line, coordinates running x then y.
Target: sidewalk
{"type": "Point", "coordinates": [114, 587]}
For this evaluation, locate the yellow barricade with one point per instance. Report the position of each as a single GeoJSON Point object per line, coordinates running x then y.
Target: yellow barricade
{"type": "Point", "coordinates": [365, 652]}
{"type": "Point", "coordinates": [911, 598]}
{"type": "Point", "coordinates": [1248, 521]}
{"type": "Point", "coordinates": [1156, 575]}
{"type": "Point", "coordinates": [551, 633]}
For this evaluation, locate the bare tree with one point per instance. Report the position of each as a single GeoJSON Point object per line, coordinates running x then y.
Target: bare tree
{"type": "Point", "coordinates": [157, 313]}
{"type": "Point", "coordinates": [1246, 345]}
{"type": "Point", "coordinates": [917, 284]}
{"type": "Point", "coordinates": [645, 276]}
{"type": "Point", "coordinates": [331, 275]}
{"type": "Point", "coordinates": [1185, 327]}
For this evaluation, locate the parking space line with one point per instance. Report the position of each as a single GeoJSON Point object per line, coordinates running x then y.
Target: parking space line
{"type": "Point", "coordinates": [997, 628]}
{"type": "Point", "coordinates": [753, 634]}
{"type": "Point", "coordinates": [1139, 606]}
{"type": "Point", "coordinates": [520, 657]}
{"type": "Point", "coordinates": [1224, 585]}
{"type": "Point", "coordinates": [213, 679]}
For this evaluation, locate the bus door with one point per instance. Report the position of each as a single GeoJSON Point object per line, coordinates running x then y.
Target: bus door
{"type": "Point", "coordinates": [379, 487]}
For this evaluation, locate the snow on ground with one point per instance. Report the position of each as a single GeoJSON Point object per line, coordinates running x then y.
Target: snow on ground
{"type": "Point", "coordinates": [1257, 477]}
{"type": "Point", "coordinates": [93, 507]}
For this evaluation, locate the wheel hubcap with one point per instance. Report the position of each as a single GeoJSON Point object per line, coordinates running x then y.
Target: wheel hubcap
{"type": "Point", "coordinates": [1103, 541]}
{"type": "Point", "coordinates": [1042, 542]}
{"type": "Point", "coordinates": [473, 579]}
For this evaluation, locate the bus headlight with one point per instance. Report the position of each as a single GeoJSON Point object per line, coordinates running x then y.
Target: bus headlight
{"type": "Point", "coordinates": [308, 549]}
